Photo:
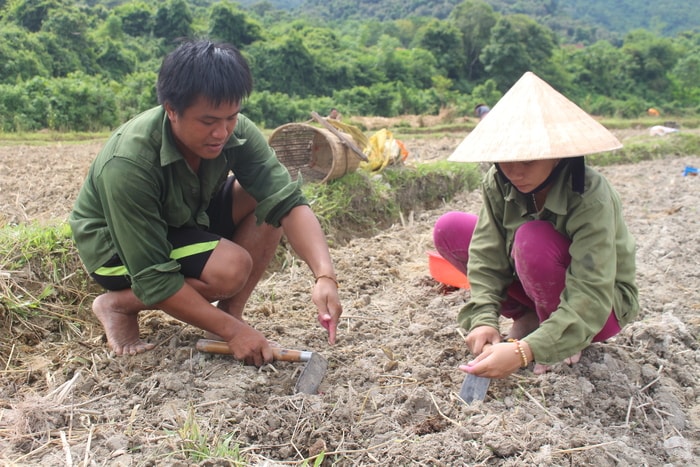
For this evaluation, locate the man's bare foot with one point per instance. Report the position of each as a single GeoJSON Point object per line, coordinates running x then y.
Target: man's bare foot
{"type": "Point", "coordinates": [122, 329]}
{"type": "Point", "coordinates": [524, 325]}
{"type": "Point", "coordinates": [542, 369]}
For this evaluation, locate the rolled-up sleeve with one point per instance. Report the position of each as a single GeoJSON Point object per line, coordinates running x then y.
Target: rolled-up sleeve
{"type": "Point", "coordinates": [489, 269]}
{"type": "Point", "coordinates": [587, 299]}
{"type": "Point", "coordinates": [263, 176]}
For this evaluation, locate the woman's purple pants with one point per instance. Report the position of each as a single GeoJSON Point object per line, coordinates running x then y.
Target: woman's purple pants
{"type": "Point", "coordinates": [541, 258]}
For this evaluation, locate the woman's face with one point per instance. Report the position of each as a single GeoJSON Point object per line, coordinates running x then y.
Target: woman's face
{"type": "Point", "coordinates": [528, 175]}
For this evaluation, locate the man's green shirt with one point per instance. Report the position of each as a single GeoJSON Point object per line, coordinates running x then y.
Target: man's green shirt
{"type": "Point", "coordinates": [140, 185]}
{"type": "Point", "coordinates": [601, 276]}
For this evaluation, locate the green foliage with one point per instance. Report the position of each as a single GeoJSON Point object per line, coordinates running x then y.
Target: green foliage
{"type": "Point", "coordinates": [518, 44]}
{"type": "Point", "coordinates": [272, 109]}
{"type": "Point", "coordinates": [352, 205]}
{"type": "Point", "coordinates": [173, 20]}
{"type": "Point", "coordinates": [229, 24]}
{"type": "Point", "coordinates": [197, 446]}
{"type": "Point", "coordinates": [130, 103]}
{"type": "Point", "coordinates": [51, 103]}
{"type": "Point", "coordinates": [22, 55]}
{"type": "Point", "coordinates": [474, 20]}
{"type": "Point", "coordinates": [394, 57]}
{"type": "Point", "coordinates": [284, 65]}
{"type": "Point", "coordinates": [31, 14]}
{"type": "Point", "coordinates": [136, 17]}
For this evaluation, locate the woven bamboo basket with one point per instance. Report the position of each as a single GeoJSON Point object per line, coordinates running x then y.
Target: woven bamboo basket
{"type": "Point", "coordinates": [316, 153]}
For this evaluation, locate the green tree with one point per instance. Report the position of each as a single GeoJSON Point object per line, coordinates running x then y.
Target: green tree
{"type": "Point", "coordinates": [474, 19]}
{"type": "Point", "coordinates": [229, 24]}
{"type": "Point", "coordinates": [31, 14]}
{"type": "Point", "coordinates": [653, 57]}
{"type": "Point", "coordinates": [173, 21]}
{"type": "Point", "coordinates": [114, 60]}
{"type": "Point", "coordinates": [135, 93]}
{"type": "Point", "coordinates": [284, 65]}
{"type": "Point", "coordinates": [65, 36]}
{"type": "Point", "coordinates": [602, 69]}
{"type": "Point", "coordinates": [439, 38]}
{"type": "Point", "coordinates": [686, 78]}
{"type": "Point", "coordinates": [137, 18]}
{"type": "Point", "coordinates": [22, 55]}
{"type": "Point", "coordinates": [81, 102]}
{"type": "Point", "coordinates": [518, 44]}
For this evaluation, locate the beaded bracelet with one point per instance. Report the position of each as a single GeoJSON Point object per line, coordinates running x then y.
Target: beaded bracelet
{"type": "Point", "coordinates": [328, 277]}
{"type": "Point", "coordinates": [521, 352]}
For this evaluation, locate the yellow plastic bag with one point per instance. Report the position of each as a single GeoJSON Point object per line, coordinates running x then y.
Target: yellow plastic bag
{"type": "Point", "coordinates": [382, 150]}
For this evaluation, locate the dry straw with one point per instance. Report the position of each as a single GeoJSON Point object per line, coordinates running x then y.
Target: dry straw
{"type": "Point", "coordinates": [533, 121]}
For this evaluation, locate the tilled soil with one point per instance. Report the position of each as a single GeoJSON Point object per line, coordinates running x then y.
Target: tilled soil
{"type": "Point", "coordinates": [390, 394]}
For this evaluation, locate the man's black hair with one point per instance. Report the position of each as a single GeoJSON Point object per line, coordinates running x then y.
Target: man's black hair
{"type": "Point", "coordinates": [216, 71]}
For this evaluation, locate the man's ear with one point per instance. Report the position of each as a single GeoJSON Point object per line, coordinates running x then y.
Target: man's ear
{"type": "Point", "coordinates": [170, 111]}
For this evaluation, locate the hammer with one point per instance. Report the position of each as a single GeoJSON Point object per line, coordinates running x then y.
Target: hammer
{"type": "Point", "coordinates": [311, 376]}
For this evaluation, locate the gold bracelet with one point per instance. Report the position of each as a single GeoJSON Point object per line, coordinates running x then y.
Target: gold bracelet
{"type": "Point", "coordinates": [328, 277]}
{"type": "Point", "coordinates": [520, 351]}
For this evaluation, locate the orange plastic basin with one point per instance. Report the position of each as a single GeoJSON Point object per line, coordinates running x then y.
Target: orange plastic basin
{"type": "Point", "coordinates": [444, 272]}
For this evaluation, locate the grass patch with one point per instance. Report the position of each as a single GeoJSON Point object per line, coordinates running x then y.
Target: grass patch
{"type": "Point", "coordinates": [643, 148]}
{"type": "Point", "coordinates": [42, 282]}
{"type": "Point", "coordinates": [360, 204]}
{"type": "Point", "coordinates": [40, 138]}
{"type": "Point", "coordinates": [198, 445]}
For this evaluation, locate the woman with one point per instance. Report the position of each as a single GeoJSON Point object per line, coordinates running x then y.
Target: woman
{"type": "Point", "coordinates": [549, 248]}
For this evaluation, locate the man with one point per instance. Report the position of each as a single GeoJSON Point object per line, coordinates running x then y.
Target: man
{"type": "Point", "coordinates": [161, 224]}
{"type": "Point", "coordinates": [481, 110]}
{"type": "Point", "coordinates": [334, 114]}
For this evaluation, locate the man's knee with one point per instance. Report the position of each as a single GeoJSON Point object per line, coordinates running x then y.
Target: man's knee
{"type": "Point", "coordinates": [227, 270]}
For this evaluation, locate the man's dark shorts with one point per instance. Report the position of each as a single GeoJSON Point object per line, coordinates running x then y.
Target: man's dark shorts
{"type": "Point", "coordinates": [191, 247]}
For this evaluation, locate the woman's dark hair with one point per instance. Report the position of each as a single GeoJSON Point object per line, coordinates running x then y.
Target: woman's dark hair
{"type": "Point", "coordinates": [216, 71]}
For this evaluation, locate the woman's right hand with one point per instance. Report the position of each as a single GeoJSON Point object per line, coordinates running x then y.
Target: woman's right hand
{"type": "Point", "coordinates": [481, 336]}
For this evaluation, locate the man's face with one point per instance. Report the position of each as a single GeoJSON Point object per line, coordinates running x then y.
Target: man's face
{"type": "Point", "coordinates": [203, 129]}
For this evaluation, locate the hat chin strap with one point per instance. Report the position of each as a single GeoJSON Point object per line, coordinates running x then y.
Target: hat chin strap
{"type": "Point", "coordinates": [577, 175]}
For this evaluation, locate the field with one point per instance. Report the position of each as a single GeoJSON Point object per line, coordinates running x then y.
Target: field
{"type": "Point", "coordinates": [390, 394]}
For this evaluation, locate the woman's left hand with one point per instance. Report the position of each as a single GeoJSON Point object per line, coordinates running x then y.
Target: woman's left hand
{"type": "Point", "coordinates": [496, 361]}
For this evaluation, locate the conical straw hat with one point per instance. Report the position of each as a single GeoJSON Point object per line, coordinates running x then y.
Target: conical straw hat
{"type": "Point", "coordinates": [533, 121]}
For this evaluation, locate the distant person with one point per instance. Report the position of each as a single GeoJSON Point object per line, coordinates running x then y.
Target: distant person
{"type": "Point", "coordinates": [334, 114]}
{"type": "Point", "coordinates": [161, 224]}
{"type": "Point", "coordinates": [549, 248]}
{"type": "Point", "coordinates": [481, 110]}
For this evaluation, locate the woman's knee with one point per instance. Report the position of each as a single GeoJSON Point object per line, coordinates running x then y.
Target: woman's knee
{"type": "Point", "coordinates": [454, 227]}
{"type": "Point", "coordinates": [538, 241]}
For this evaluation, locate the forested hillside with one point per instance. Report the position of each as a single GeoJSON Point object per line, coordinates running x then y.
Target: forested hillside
{"type": "Point", "coordinates": [68, 65]}
{"type": "Point", "coordinates": [572, 19]}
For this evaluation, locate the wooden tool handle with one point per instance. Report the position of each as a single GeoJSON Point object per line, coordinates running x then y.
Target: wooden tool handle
{"type": "Point", "coordinates": [343, 138]}
{"type": "Point", "coordinates": [285, 355]}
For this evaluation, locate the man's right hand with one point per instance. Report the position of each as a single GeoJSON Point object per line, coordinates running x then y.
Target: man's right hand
{"type": "Point", "coordinates": [250, 346]}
